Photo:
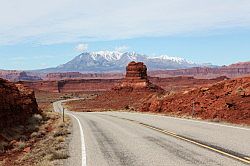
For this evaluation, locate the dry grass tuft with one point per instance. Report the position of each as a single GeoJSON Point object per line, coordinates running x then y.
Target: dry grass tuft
{"type": "Point", "coordinates": [56, 155]}
{"type": "Point", "coordinates": [60, 139]}
{"type": "Point", "coordinates": [44, 163]}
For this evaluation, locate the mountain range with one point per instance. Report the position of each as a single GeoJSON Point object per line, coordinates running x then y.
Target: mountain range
{"type": "Point", "coordinates": [114, 61]}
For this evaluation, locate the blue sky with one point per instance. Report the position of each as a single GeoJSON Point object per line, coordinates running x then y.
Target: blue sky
{"type": "Point", "coordinates": [44, 34]}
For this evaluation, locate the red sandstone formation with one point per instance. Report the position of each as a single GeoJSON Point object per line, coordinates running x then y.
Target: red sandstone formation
{"type": "Point", "coordinates": [14, 75]}
{"type": "Point", "coordinates": [78, 75]}
{"type": "Point", "coordinates": [86, 85]}
{"type": "Point", "coordinates": [17, 103]}
{"type": "Point", "coordinates": [227, 100]}
{"type": "Point", "coordinates": [231, 71]}
{"type": "Point", "coordinates": [48, 86]}
{"type": "Point", "coordinates": [240, 65]}
{"type": "Point", "coordinates": [136, 79]}
{"type": "Point", "coordinates": [77, 85]}
{"type": "Point", "coordinates": [82, 85]}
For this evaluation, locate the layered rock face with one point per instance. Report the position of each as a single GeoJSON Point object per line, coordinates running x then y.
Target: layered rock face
{"type": "Point", "coordinates": [17, 103]}
{"type": "Point", "coordinates": [232, 71]}
{"type": "Point", "coordinates": [136, 79]}
{"type": "Point", "coordinates": [78, 75]}
{"type": "Point", "coordinates": [14, 75]}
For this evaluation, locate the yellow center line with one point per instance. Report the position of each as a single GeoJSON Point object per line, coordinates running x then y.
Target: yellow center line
{"type": "Point", "coordinates": [248, 158]}
{"type": "Point", "coordinates": [244, 160]}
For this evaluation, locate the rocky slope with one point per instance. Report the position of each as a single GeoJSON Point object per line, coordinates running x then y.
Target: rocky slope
{"type": "Point", "coordinates": [227, 100]}
{"type": "Point", "coordinates": [17, 103]}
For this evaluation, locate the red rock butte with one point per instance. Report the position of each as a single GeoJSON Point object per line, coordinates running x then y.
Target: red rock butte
{"type": "Point", "coordinates": [17, 104]}
{"type": "Point", "coordinates": [136, 79]}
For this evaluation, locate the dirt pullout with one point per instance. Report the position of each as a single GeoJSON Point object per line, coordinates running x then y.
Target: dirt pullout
{"type": "Point", "coordinates": [223, 101]}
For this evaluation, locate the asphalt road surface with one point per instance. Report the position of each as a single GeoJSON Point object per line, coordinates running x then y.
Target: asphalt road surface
{"type": "Point", "coordinates": [136, 139]}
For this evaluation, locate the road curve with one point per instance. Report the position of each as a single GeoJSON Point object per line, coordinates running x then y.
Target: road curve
{"type": "Point", "coordinates": [135, 139]}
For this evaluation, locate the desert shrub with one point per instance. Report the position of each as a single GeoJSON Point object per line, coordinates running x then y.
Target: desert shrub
{"type": "Point", "coordinates": [34, 134]}
{"type": "Point", "coordinates": [3, 146]}
{"type": "Point", "coordinates": [35, 119]}
{"type": "Point", "coordinates": [21, 145]}
{"type": "Point", "coordinates": [56, 155]}
{"type": "Point", "coordinates": [127, 107]}
{"type": "Point", "coordinates": [23, 138]}
{"type": "Point", "coordinates": [60, 133]}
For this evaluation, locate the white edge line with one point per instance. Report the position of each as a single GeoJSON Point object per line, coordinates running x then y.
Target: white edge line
{"type": "Point", "coordinates": [191, 120]}
{"type": "Point", "coordinates": [83, 148]}
{"type": "Point", "coordinates": [197, 121]}
{"type": "Point", "coordinates": [82, 140]}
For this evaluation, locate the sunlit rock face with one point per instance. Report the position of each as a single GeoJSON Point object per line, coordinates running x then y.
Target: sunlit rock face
{"type": "Point", "coordinates": [136, 79]}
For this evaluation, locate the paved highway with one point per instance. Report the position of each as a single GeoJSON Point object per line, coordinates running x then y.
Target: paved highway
{"type": "Point", "coordinates": [136, 139]}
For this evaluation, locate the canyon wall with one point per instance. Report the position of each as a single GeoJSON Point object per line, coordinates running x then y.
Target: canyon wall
{"type": "Point", "coordinates": [17, 103]}
{"type": "Point", "coordinates": [81, 85]}
{"type": "Point", "coordinates": [205, 73]}
{"type": "Point", "coordinates": [86, 85]}
{"type": "Point", "coordinates": [14, 75]}
{"type": "Point", "coordinates": [77, 85]}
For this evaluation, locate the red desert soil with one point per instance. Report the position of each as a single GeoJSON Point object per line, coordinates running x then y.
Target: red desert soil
{"type": "Point", "coordinates": [227, 101]}
{"type": "Point", "coordinates": [134, 87]}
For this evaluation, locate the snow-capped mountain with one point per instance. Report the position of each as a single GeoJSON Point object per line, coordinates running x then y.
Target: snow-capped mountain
{"type": "Point", "coordinates": [113, 61]}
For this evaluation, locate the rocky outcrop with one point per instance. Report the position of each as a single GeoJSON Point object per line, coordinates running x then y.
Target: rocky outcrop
{"type": "Point", "coordinates": [14, 75]}
{"type": "Point", "coordinates": [136, 79]}
{"type": "Point", "coordinates": [227, 100]}
{"type": "Point", "coordinates": [17, 103]}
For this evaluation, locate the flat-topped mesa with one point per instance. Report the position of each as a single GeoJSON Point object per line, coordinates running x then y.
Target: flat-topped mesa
{"type": "Point", "coordinates": [136, 79]}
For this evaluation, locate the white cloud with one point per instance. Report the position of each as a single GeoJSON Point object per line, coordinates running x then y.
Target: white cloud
{"type": "Point", "coordinates": [82, 47]}
{"type": "Point", "coordinates": [60, 21]}
{"type": "Point", "coordinates": [122, 48]}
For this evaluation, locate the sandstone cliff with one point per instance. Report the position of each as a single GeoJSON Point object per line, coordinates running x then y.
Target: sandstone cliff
{"type": "Point", "coordinates": [17, 104]}
{"type": "Point", "coordinates": [231, 71]}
